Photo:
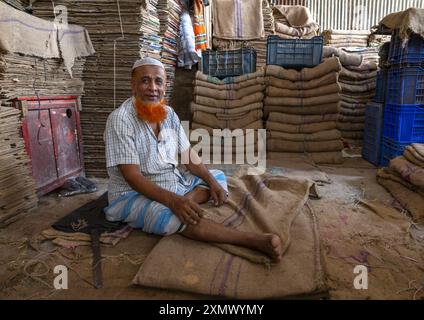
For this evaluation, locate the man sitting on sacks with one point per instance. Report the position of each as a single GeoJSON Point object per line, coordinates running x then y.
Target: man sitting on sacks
{"type": "Point", "coordinates": [143, 139]}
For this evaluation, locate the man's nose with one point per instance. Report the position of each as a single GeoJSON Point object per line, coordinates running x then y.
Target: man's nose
{"type": "Point", "coordinates": [152, 85]}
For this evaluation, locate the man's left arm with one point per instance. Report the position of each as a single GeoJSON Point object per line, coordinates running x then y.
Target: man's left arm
{"type": "Point", "coordinates": [196, 167]}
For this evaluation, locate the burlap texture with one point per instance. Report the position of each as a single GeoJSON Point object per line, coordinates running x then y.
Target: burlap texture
{"type": "Point", "coordinates": [269, 204]}
{"type": "Point", "coordinates": [306, 110]}
{"type": "Point", "coordinates": [306, 74]}
{"type": "Point", "coordinates": [317, 157]}
{"type": "Point", "coordinates": [312, 101]}
{"type": "Point", "coordinates": [277, 145]}
{"type": "Point", "coordinates": [317, 136]}
{"type": "Point", "coordinates": [255, 125]}
{"type": "Point", "coordinates": [230, 80]}
{"type": "Point", "coordinates": [346, 59]}
{"type": "Point", "coordinates": [406, 21]}
{"type": "Point", "coordinates": [238, 20]}
{"type": "Point", "coordinates": [326, 79]}
{"type": "Point", "coordinates": [227, 94]}
{"type": "Point", "coordinates": [224, 110]}
{"type": "Point", "coordinates": [301, 119]}
{"type": "Point", "coordinates": [301, 128]}
{"type": "Point", "coordinates": [229, 86]}
{"type": "Point", "coordinates": [408, 171]}
{"type": "Point", "coordinates": [244, 101]}
{"type": "Point", "coordinates": [239, 121]}
{"type": "Point", "coordinates": [409, 199]}
{"type": "Point", "coordinates": [272, 91]}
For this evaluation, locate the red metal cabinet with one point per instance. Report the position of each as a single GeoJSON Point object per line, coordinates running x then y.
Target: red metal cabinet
{"type": "Point", "coordinates": [52, 134]}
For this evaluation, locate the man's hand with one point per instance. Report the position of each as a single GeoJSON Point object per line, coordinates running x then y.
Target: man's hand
{"type": "Point", "coordinates": [218, 194]}
{"type": "Point", "coordinates": [185, 209]}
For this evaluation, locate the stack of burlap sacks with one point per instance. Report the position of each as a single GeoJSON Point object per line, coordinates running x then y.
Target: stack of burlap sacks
{"type": "Point", "coordinates": [294, 22]}
{"type": "Point", "coordinates": [404, 179]}
{"type": "Point", "coordinates": [231, 103]}
{"type": "Point", "coordinates": [358, 87]}
{"type": "Point", "coordinates": [346, 38]}
{"type": "Point", "coordinates": [302, 108]}
{"type": "Point", "coordinates": [230, 42]}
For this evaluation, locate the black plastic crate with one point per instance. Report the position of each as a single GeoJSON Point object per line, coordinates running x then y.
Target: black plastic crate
{"type": "Point", "coordinates": [294, 53]}
{"type": "Point", "coordinates": [228, 63]}
{"type": "Point", "coordinates": [381, 85]}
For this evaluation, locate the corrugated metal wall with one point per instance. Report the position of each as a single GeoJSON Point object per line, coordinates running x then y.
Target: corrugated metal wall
{"type": "Point", "coordinates": [351, 14]}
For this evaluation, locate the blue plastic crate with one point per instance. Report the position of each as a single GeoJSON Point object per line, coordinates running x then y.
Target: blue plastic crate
{"type": "Point", "coordinates": [372, 132]}
{"type": "Point", "coordinates": [404, 123]}
{"type": "Point", "coordinates": [294, 53]}
{"type": "Point", "coordinates": [411, 51]}
{"type": "Point", "coordinates": [405, 85]}
{"type": "Point", "coordinates": [228, 63]}
{"type": "Point", "coordinates": [381, 85]}
{"type": "Point", "coordinates": [391, 149]}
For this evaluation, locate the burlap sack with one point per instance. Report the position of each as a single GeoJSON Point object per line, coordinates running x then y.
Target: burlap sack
{"type": "Point", "coordinates": [227, 94]}
{"type": "Point", "coordinates": [229, 86]}
{"type": "Point", "coordinates": [367, 65]}
{"type": "Point", "coordinates": [326, 79]}
{"type": "Point", "coordinates": [348, 126]}
{"type": "Point", "coordinates": [408, 171]}
{"type": "Point", "coordinates": [348, 74]}
{"type": "Point", "coordinates": [288, 32]}
{"type": "Point", "coordinates": [244, 101]}
{"type": "Point", "coordinates": [313, 101]}
{"type": "Point", "coordinates": [410, 200]}
{"type": "Point", "coordinates": [360, 88]}
{"type": "Point", "coordinates": [306, 110]}
{"type": "Point", "coordinates": [351, 119]}
{"type": "Point", "coordinates": [357, 99]}
{"type": "Point", "coordinates": [272, 91]}
{"type": "Point", "coordinates": [352, 105]}
{"type": "Point", "coordinates": [238, 20]}
{"type": "Point", "coordinates": [298, 17]}
{"type": "Point", "coordinates": [301, 128]}
{"type": "Point", "coordinates": [346, 59]}
{"type": "Point", "coordinates": [349, 37]}
{"type": "Point", "coordinates": [230, 80]}
{"type": "Point", "coordinates": [317, 157]}
{"type": "Point", "coordinates": [268, 204]}
{"type": "Point", "coordinates": [331, 32]}
{"type": "Point", "coordinates": [223, 110]}
{"type": "Point", "coordinates": [306, 74]}
{"type": "Point", "coordinates": [255, 125]}
{"type": "Point", "coordinates": [354, 135]}
{"type": "Point", "coordinates": [301, 119]}
{"type": "Point", "coordinates": [388, 173]}
{"type": "Point", "coordinates": [359, 112]}
{"type": "Point", "coordinates": [316, 136]}
{"type": "Point", "coordinates": [357, 82]}
{"type": "Point", "coordinates": [414, 154]}
{"type": "Point", "coordinates": [406, 21]}
{"type": "Point", "coordinates": [240, 121]}
{"type": "Point", "coordinates": [277, 145]}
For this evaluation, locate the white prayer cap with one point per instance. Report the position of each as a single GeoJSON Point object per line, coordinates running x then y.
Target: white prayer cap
{"type": "Point", "coordinates": [148, 61]}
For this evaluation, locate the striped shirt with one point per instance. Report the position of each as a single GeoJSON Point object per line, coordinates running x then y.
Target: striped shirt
{"type": "Point", "coordinates": [130, 140]}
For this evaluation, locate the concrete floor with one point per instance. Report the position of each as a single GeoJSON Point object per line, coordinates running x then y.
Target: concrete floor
{"type": "Point", "coordinates": [346, 232]}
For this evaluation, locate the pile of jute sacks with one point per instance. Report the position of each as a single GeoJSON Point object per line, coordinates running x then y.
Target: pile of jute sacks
{"type": "Point", "coordinates": [404, 179]}
{"type": "Point", "coordinates": [358, 84]}
{"type": "Point", "coordinates": [300, 108]}
{"type": "Point", "coordinates": [231, 103]}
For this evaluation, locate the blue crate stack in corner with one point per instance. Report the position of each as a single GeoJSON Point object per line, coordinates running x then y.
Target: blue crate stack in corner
{"type": "Point", "coordinates": [403, 121]}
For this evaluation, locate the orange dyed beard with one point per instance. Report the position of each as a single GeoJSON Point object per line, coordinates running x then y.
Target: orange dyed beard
{"type": "Point", "coordinates": [150, 112]}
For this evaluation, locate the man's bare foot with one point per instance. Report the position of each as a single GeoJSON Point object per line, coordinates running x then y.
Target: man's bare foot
{"type": "Point", "coordinates": [271, 246]}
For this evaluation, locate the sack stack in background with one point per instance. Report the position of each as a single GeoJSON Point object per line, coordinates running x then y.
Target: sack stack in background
{"type": "Point", "coordinates": [121, 33]}
{"type": "Point", "coordinates": [302, 108]}
{"type": "Point", "coordinates": [225, 42]}
{"type": "Point", "coordinates": [294, 22]}
{"type": "Point", "coordinates": [26, 76]}
{"type": "Point", "coordinates": [17, 187]}
{"type": "Point", "coordinates": [404, 179]}
{"type": "Point", "coordinates": [169, 15]}
{"type": "Point", "coordinates": [233, 103]}
{"type": "Point", "coordinates": [346, 38]}
{"type": "Point", "coordinates": [358, 87]}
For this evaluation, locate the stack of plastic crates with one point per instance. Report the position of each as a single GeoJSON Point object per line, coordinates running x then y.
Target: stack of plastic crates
{"type": "Point", "coordinates": [404, 100]}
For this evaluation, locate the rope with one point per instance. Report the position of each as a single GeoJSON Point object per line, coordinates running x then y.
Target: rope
{"type": "Point", "coordinates": [114, 54]}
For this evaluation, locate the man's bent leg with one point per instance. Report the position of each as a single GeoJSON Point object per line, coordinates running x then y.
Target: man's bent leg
{"type": "Point", "coordinates": [199, 195]}
{"type": "Point", "coordinates": [209, 231]}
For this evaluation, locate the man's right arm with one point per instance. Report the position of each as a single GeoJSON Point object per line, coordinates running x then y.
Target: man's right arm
{"type": "Point", "coordinates": [185, 209]}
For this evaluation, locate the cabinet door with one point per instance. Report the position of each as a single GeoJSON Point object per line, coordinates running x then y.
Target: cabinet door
{"type": "Point", "coordinates": [65, 137]}
{"type": "Point", "coordinates": [41, 147]}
